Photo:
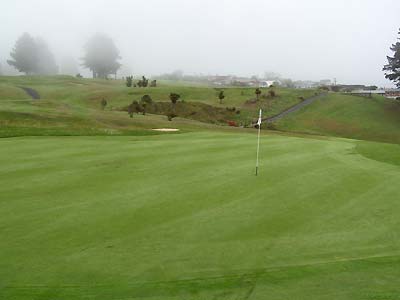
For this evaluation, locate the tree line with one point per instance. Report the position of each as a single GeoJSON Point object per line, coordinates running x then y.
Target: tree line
{"type": "Point", "coordinates": [32, 56]}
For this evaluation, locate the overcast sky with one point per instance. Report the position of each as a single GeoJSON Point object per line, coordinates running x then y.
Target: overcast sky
{"type": "Point", "coordinates": [308, 39]}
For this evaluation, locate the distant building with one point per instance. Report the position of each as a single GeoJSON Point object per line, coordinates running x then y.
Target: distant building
{"type": "Point", "coordinates": [243, 81]}
{"type": "Point", "coordinates": [368, 93]}
{"type": "Point", "coordinates": [306, 84]}
{"type": "Point", "coordinates": [221, 80]}
{"type": "Point", "coordinates": [393, 93]}
{"type": "Point", "coordinates": [325, 82]}
{"type": "Point", "coordinates": [265, 83]}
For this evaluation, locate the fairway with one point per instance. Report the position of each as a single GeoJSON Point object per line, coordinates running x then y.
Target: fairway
{"type": "Point", "coordinates": [182, 216]}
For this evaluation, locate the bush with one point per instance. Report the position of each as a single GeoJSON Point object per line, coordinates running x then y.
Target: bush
{"type": "Point", "coordinates": [221, 96]}
{"type": "Point", "coordinates": [232, 123]}
{"type": "Point", "coordinates": [271, 93]}
{"type": "Point", "coordinates": [129, 81]}
{"type": "Point", "coordinates": [135, 107]}
{"type": "Point", "coordinates": [103, 103]}
{"type": "Point", "coordinates": [147, 99]}
{"type": "Point", "coordinates": [174, 97]}
{"type": "Point", "coordinates": [170, 116]}
{"type": "Point", "coordinates": [258, 93]}
{"type": "Point", "coordinates": [301, 98]}
{"type": "Point", "coordinates": [143, 83]}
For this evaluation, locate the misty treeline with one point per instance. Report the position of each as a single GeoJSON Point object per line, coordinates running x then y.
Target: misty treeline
{"type": "Point", "coordinates": [32, 56]}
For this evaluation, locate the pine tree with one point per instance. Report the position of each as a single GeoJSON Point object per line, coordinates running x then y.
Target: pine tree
{"type": "Point", "coordinates": [101, 56]}
{"type": "Point", "coordinates": [25, 56]}
{"type": "Point", "coordinates": [393, 66]}
{"type": "Point", "coordinates": [32, 56]}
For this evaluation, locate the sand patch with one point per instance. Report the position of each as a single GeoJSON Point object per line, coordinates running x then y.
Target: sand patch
{"type": "Point", "coordinates": [166, 129]}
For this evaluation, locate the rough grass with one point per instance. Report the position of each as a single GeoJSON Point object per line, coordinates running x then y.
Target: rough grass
{"type": "Point", "coordinates": [342, 115]}
{"type": "Point", "coordinates": [183, 217]}
{"type": "Point", "coordinates": [79, 99]}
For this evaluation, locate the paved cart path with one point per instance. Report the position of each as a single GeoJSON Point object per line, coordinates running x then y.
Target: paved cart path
{"type": "Point", "coordinates": [294, 108]}
{"type": "Point", "coordinates": [31, 92]}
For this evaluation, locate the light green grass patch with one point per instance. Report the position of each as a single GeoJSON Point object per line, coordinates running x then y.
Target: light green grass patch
{"type": "Point", "coordinates": [183, 217]}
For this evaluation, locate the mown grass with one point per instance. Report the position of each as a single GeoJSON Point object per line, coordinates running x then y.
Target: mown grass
{"type": "Point", "coordinates": [348, 116]}
{"type": "Point", "coordinates": [183, 217]}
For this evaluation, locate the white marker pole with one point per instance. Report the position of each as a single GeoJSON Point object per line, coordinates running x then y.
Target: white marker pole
{"type": "Point", "coordinates": [258, 140]}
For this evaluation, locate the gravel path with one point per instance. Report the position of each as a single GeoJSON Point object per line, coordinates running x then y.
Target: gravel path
{"type": "Point", "coordinates": [31, 92]}
{"type": "Point", "coordinates": [294, 108]}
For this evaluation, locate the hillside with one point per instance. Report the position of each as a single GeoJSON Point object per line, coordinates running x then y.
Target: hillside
{"type": "Point", "coordinates": [71, 106]}
{"type": "Point", "coordinates": [348, 116]}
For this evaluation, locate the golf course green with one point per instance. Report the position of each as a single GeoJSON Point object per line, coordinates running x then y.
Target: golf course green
{"type": "Point", "coordinates": [182, 216]}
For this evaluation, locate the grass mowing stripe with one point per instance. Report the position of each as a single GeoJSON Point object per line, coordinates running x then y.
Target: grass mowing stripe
{"type": "Point", "coordinates": [143, 217]}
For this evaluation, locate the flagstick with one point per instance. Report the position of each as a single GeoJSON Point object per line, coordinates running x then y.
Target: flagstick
{"type": "Point", "coordinates": [258, 139]}
{"type": "Point", "coordinates": [258, 147]}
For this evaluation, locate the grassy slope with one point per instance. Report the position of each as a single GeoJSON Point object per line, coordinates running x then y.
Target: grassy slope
{"type": "Point", "coordinates": [374, 118]}
{"type": "Point", "coordinates": [71, 106]}
{"type": "Point", "coordinates": [183, 217]}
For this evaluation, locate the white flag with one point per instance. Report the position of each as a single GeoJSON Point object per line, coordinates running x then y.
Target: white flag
{"type": "Point", "coordinates": [259, 119]}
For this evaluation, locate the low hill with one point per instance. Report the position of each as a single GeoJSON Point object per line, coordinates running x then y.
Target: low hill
{"type": "Point", "coordinates": [71, 106]}
{"type": "Point", "coordinates": [342, 115]}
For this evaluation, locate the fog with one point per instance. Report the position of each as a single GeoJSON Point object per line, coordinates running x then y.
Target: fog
{"type": "Point", "coordinates": [309, 39]}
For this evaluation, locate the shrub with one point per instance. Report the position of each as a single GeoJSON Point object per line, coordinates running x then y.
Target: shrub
{"type": "Point", "coordinates": [174, 97]}
{"type": "Point", "coordinates": [221, 96]}
{"type": "Point", "coordinates": [232, 123]}
{"type": "Point", "coordinates": [129, 81]}
{"type": "Point", "coordinates": [170, 116]}
{"type": "Point", "coordinates": [135, 107]}
{"type": "Point", "coordinates": [153, 83]}
{"type": "Point", "coordinates": [271, 93]}
{"type": "Point", "coordinates": [143, 83]}
{"type": "Point", "coordinates": [103, 103]}
{"type": "Point", "coordinates": [301, 98]}
{"type": "Point", "coordinates": [147, 99]}
{"type": "Point", "coordinates": [258, 93]}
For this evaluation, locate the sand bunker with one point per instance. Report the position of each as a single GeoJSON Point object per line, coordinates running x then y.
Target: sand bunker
{"type": "Point", "coordinates": [166, 129]}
